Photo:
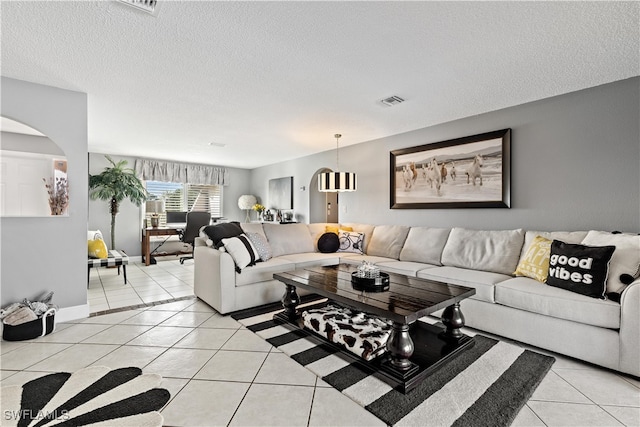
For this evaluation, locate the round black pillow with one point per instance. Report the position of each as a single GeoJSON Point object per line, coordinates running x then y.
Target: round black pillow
{"type": "Point", "coordinates": [328, 243]}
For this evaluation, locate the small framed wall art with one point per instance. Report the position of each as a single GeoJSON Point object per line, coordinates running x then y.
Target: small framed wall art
{"type": "Point", "coordinates": [469, 172]}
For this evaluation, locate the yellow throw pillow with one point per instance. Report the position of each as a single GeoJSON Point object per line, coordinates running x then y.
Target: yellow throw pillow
{"type": "Point", "coordinates": [335, 229]}
{"type": "Point", "coordinates": [331, 229]}
{"type": "Point", "coordinates": [98, 249]}
{"type": "Point", "coordinates": [535, 262]}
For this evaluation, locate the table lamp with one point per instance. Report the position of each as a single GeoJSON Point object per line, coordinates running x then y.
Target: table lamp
{"type": "Point", "coordinates": [246, 202]}
{"type": "Point", "coordinates": [154, 207]}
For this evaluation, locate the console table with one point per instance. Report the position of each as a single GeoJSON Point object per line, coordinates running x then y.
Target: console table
{"type": "Point", "coordinates": [149, 232]}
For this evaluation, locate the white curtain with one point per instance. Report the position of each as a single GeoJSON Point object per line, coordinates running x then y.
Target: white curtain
{"type": "Point", "coordinates": [158, 170]}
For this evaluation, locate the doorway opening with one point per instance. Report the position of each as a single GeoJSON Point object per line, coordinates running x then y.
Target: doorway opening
{"type": "Point", "coordinates": [323, 207]}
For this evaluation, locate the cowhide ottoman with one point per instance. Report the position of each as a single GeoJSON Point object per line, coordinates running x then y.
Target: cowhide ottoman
{"type": "Point", "coordinates": [358, 332]}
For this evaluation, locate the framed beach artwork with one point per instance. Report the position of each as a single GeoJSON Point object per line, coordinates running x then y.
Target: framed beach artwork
{"type": "Point", "coordinates": [469, 172]}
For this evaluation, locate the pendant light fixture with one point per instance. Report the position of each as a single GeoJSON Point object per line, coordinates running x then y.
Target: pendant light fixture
{"type": "Point", "coordinates": [329, 182]}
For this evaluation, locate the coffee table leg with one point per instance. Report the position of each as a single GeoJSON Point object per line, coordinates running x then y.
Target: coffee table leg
{"type": "Point", "coordinates": [290, 301]}
{"type": "Point", "coordinates": [453, 319]}
{"type": "Point", "coordinates": [400, 346]}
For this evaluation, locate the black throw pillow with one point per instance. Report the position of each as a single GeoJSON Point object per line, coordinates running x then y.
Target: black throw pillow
{"type": "Point", "coordinates": [580, 269]}
{"type": "Point", "coordinates": [328, 243]}
{"type": "Point", "coordinates": [221, 231]}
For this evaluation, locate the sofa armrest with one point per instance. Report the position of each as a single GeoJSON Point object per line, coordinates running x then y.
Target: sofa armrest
{"type": "Point", "coordinates": [214, 278]}
{"type": "Point", "coordinates": [630, 329]}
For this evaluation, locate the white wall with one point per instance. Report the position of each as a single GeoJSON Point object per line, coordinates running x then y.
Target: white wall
{"type": "Point", "coordinates": [29, 143]}
{"type": "Point", "coordinates": [41, 254]}
{"type": "Point", "coordinates": [575, 165]}
{"type": "Point", "coordinates": [129, 220]}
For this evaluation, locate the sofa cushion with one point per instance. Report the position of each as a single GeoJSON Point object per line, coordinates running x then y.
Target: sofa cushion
{"type": "Point", "coordinates": [625, 259]}
{"type": "Point", "coordinates": [535, 262]}
{"type": "Point", "coordinates": [579, 268]}
{"type": "Point", "coordinates": [264, 271]}
{"type": "Point", "coordinates": [387, 240]}
{"type": "Point", "coordinates": [252, 227]}
{"type": "Point", "coordinates": [565, 236]}
{"type": "Point", "coordinates": [317, 229]}
{"type": "Point", "coordinates": [527, 294]}
{"type": "Point", "coordinates": [425, 245]}
{"type": "Point", "coordinates": [496, 251]}
{"type": "Point", "coordinates": [350, 241]}
{"type": "Point", "coordinates": [407, 268]}
{"type": "Point", "coordinates": [482, 281]}
{"type": "Point", "coordinates": [289, 238]}
{"type": "Point", "coordinates": [366, 229]}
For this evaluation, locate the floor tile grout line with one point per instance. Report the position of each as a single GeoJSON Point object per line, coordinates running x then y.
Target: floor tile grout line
{"type": "Point", "coordinates": [313, 397]}
{"type": "Point", "coordinates": [575, 388]}
{"type": "Point", "coordinates": [535, 414]}
{"type": "Point", "coordinates": [613, 416]}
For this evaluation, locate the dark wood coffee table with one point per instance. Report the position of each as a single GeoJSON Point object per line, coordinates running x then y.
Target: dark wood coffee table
{"type": "Point", "coordinates": [415, 349]}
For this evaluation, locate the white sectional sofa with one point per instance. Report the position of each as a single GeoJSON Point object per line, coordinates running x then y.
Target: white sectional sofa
{"type": "Point", "coordinates": [603, 332]}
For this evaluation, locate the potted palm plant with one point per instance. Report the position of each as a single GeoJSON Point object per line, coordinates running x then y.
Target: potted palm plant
{"type": "Point", "coordinates": [115, 184]}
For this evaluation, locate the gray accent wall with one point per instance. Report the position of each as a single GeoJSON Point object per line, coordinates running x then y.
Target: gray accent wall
{"type": "Point", "coordinates": [575, 166]}
{"type": "Point", "coordinates": [48, 254]}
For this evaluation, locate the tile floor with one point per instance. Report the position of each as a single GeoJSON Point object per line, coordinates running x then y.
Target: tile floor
{"type": "Point", "coordinates": [219, 373]}
{"type": "Point", "coordinates": [166, 280]}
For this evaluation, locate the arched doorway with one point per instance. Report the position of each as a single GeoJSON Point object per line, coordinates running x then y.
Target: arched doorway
{"type": "Point", "coordinates": [28, 158]}
{"type": "Point", "coordinates": [323, 207]}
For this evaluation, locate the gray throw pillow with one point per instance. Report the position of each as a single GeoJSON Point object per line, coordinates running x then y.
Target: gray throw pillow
{"type": "Point", "coordinates": [261, 245]}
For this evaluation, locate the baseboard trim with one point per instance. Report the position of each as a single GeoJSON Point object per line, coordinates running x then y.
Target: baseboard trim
{"type": "Point", "coordinates": [67, 314]}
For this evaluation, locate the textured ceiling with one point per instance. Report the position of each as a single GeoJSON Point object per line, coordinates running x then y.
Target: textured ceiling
{"type": "Point", "coordinates": [274, 81]}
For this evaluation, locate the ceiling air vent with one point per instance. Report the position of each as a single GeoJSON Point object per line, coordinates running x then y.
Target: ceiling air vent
{"type": "Point", "coordinates": [392, 100]}
{"type": "Point", "coordinates": [149, 6]}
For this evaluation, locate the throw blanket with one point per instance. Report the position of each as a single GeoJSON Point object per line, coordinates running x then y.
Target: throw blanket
{"type": "Point", "coordinates": [360, 333]}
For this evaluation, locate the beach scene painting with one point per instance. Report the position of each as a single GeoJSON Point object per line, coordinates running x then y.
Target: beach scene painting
{"type": "Point", "coordinates": [473, 171]}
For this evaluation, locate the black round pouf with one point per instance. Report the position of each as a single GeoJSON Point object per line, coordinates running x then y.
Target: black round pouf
{"type": "Point", "coordinates": [328, 243]}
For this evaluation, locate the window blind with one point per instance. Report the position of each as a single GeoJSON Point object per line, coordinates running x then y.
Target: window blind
{"type": "Point", "coordinates": [180, 197]}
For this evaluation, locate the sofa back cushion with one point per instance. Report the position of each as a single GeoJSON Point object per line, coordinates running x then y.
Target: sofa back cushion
{"type": "Point", "coordinates": [496, 251]}
{"type": "Point", "coordinates": [425, 245]}
{"type": "Point", "coordinates": [317, 229]}
{"type": "Point", "coordinates": [289, 238]}
{"type": "Point", "coordinates": [366, 229]}
{"type": "Point", "coordinates": [387, 240]}
{"type": "Point", "coordinates": [565, 236]}
{"type": "Point", "coordinates": [625, 259]}
{"type": "Point", "coordinates": [252, 227]}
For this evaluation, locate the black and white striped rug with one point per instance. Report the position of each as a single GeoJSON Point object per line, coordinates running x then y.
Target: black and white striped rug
{"type": "Point", "coordinates": [486, 385]}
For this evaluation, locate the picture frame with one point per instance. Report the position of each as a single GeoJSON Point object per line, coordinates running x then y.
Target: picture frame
{"type": "Point", "coordinates": [281, 193]}
{"type": "Point", "coordinates": [469, 172]}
